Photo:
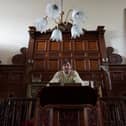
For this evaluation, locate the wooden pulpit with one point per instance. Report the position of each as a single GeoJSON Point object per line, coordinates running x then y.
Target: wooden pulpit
{"type": "Point", "coordinates": [67, 106]}
{"type": "Point", "coordinates": [68, 95]}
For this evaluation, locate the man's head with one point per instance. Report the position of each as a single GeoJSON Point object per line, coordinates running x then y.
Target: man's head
{"type": "Point", "coordinates": [66, 67]}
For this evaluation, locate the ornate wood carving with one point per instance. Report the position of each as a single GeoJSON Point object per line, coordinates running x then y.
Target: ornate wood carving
{"type": "Point", "coordinates": [12, 80]}
{"type": "Point", "coordinates": [20, 58]}
{"type": "Point", "coordinates": [113, 58]}
{"type": "Point", "coordinates": [118, 79]}
{"type": "Point", "coordinates": [67, 115]}
{"type": "Point", "coordinates": [85, 52]}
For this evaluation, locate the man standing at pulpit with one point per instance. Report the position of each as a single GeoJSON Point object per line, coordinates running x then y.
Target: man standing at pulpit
{"type": "Point", "coordinates": [66, 75]}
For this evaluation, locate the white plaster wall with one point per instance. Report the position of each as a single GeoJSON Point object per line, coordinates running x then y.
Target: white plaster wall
{"type": "Point", "coordinates": [17, 15]}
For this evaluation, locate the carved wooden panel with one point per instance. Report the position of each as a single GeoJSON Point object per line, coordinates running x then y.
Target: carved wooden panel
{"type": "Point", "coordinates": [39, 65]}
{"type": "Point", "coordinates": [84, 52]}
{"type": "Point", "coordinates": [94, 65]}
{"type": "Point", "coordinates": [54, 46]}
{"type": "Point", "coordinates": [79, 46]}
{"type": "Point", "coordinates": [113, 111]}
{"type": "Point", "coordinates": [67, 46]}
{"type": "Point", "coordinates": [113, 58]}
{"type": "Point", "coordinates": [12, 80]}
{"type": "Point", "coordinates": [92, 45]}
{"type": "Point", "coordinates": [53, 64]}
{"type": "Point", "coordinates": [79, 65]}
{"type": "Point", "coordinates": [20, 58]}
{"type": "Point", "coordinates": [71, 115]}
{"type": "Point", "coordinates": [118, 79]}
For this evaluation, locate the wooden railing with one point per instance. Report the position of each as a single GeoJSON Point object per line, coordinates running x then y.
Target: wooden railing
{"type": "Point", "coordinates": [113, 111]}
{"type": "Point", "coordinates": [17, 111]}
{"type": "Point", "coordinates": [109, 111]}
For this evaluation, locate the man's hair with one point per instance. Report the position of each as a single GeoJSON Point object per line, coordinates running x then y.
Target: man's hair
{"type": "Point", "coordinates": [65, 61]}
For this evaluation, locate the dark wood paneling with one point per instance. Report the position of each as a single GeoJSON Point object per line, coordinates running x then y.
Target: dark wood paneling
{"type": "Point", "coordinates": [12, 80]}
{"type": "Point", "coordinates": [118, 79]}
{"type": "Point", "coordinates": [84, 52]}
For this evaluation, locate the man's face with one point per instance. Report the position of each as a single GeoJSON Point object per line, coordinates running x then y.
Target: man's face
{"type": "Point", "coordinates": [66, 67]}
